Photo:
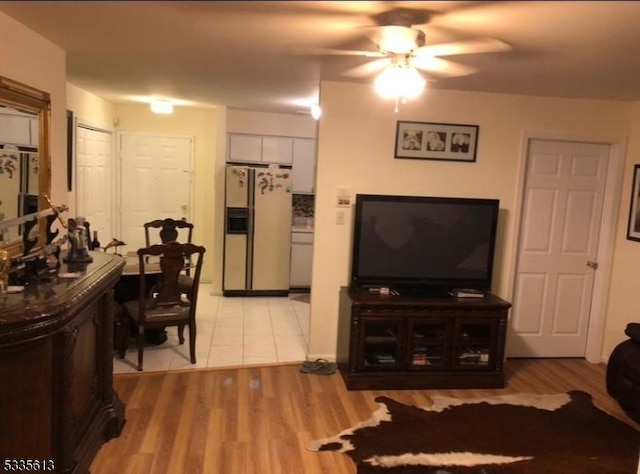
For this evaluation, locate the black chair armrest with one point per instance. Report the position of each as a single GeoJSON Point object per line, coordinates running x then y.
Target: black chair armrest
{"type": "Point", "coordinates": [633, 331]}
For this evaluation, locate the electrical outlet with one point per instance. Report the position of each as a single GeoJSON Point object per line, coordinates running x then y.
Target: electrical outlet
{"type": "Point", "coordinates": [340, 218]}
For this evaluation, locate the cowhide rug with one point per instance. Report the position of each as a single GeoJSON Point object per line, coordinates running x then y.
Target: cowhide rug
{"type": "Point", "coordinates": [525, 433]}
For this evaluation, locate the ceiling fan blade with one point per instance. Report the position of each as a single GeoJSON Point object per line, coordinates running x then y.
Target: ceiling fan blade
{"type": "Point", "coordinates": [473, 46]}
{"type": "Point", "coordinates": [338, 52]}
{"type": "Point", "coordinates": [369, 68]}
{"type": "Point", "coordinates": [442, 67]}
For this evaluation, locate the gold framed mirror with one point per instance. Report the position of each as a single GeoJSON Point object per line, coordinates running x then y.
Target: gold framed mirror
{"type": "Point", "coordinates": [25, 161]}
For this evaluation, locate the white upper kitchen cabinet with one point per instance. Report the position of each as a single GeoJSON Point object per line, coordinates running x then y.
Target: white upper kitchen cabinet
{"type": "Point", "coordinates": [246, 148]}
{"type": "Point", "coordinates": [277, 150]}
{"type": "Point", "coordinates": [16, 129]}
{"type": "Point", "coordinates": [304, 165]}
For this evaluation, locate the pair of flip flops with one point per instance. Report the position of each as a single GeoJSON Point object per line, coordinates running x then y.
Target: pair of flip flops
{"type": "Point", "coordinates": [318, 366]}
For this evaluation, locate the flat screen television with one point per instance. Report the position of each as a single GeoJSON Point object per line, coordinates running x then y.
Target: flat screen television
{"type": "Point", "coordinates": [415, 244]}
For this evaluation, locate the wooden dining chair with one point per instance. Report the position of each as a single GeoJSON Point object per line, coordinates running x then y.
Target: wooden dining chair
{"type": "Point", "coordinates": [169, 232]}
{"type": "Point", "coordinates": [164, 304]}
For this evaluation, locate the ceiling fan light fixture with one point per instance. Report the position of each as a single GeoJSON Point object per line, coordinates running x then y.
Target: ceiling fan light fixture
{"type": "Point", "coordinates": [400, 82]}
{"type": "Point", "coordinates": [398, 39]}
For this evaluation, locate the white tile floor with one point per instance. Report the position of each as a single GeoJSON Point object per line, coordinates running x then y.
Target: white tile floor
{"type": "Point", "coordinates": [232, 331]}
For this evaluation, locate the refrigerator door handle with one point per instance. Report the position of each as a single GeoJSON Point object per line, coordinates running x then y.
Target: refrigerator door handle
{"type": "Point", "coordinates": [250, 226]}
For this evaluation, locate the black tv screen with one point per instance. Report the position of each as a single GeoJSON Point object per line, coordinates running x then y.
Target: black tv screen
{"type": "Point", "coordinates": [415, 244]}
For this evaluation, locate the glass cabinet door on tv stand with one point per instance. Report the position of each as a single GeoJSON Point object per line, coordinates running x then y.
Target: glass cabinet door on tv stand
{"type": "Point", "coordinates": [381, 338]}
{"type": "Point", "coordinates": [475, 340]}
{"type": "Point", "coordinates": [430, 344]}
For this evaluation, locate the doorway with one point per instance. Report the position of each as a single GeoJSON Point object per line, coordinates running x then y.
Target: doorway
{"type": "Point", "coordinates": [95, 190]}
{"type": "Point", "coordinates": [564, 248]}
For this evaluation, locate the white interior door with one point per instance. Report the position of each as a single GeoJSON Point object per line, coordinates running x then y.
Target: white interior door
{"type": "Point", "coordinates": [564, 191]}
{"type": "Point", "coordinates": [95, 194]}
{"type": "Point", "coordinates": [155, 179]}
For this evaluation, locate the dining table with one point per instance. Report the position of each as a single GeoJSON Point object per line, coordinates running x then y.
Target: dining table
{"type": "Point", "coordinates": [132, 265]}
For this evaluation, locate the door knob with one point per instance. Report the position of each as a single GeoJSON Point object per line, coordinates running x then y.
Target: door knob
{"type": "Point", "coordinates": [593, 265]}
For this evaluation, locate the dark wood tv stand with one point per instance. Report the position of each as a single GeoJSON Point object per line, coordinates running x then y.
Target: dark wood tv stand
{"type": "Point", "coordinates": [389, 342]}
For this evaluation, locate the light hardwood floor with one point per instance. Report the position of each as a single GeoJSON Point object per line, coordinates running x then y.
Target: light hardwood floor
{"type": "Point", "coordinates": [259, 419]}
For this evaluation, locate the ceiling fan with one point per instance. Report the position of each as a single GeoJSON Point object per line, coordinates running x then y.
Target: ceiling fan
{"type": "Point", "coordinates": [400, 40]}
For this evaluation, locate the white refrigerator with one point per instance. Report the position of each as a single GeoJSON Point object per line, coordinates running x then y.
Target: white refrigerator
{"type": "Point", "coordinates": [257, 240]}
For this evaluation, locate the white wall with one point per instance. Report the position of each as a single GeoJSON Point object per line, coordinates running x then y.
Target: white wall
{"type": "Point", "coordinates": [31, 59]}
{"type": "Point", "coordinates": [202, 125]}
{"type": "Point", "coordinates": [88, 109]}
{"type": "Point", "coordinates": [218, 183]}
{"type": "Point", "coordinates": [356, 149]}
{"type": "Point", "coordinates": [625, 280]}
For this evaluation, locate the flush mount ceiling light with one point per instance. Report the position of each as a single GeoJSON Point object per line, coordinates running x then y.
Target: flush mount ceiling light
{"type": "Point", "coordinates": [161, 107]}
{"type": "Point", "coordinates": [400, 81]}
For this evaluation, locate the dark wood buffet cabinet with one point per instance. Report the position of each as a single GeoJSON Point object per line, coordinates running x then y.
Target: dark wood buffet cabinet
{"type": "Point", "coordinates": [57, 402]}
{"type": "Point", "coordinates": [394, 342]}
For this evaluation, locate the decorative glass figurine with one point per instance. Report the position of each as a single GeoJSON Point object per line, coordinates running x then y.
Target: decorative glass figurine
{"type": "Point", "coordinates": [78, 242]}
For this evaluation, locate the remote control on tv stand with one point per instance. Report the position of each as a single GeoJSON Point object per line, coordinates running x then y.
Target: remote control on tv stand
{"type": "Point", "coordinates": [466, 293]}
